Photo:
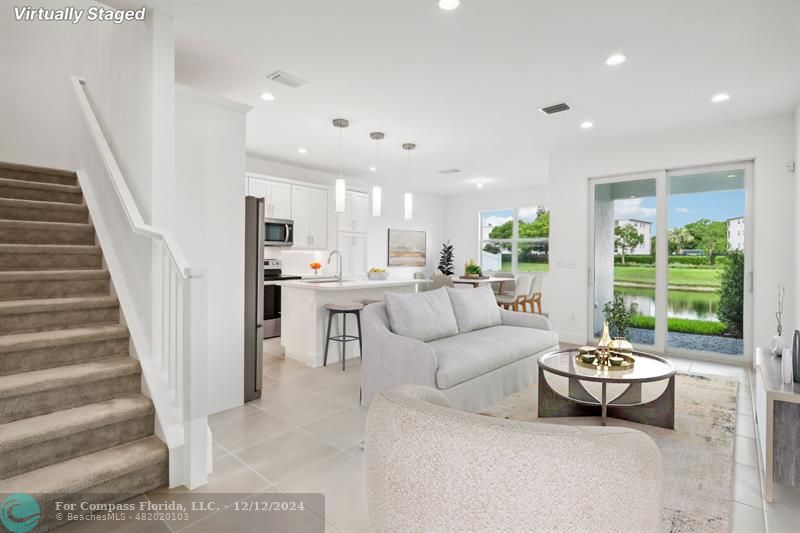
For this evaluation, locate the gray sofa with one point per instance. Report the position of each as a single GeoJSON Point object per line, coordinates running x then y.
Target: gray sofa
{"type": "Point", "coordinates": [456, 341]}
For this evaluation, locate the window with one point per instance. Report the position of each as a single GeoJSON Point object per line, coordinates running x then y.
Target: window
{"type": "Point", "coordinates": [515, 240]}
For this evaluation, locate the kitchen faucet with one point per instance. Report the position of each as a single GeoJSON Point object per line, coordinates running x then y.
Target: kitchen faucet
{"type": "Point", "coordinates": [339, 269]}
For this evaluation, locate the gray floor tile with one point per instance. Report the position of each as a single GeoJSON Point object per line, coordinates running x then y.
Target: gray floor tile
{"type": "Point", "coordinates": [244, 431]}
{"type": "Point", "coordinates": [286, 454]}
{"type": "Point", "coordinates": [343, 430]}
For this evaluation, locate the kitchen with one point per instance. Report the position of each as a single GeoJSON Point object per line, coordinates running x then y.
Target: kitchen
{"type": "Point", "coordinates": [302, 228]}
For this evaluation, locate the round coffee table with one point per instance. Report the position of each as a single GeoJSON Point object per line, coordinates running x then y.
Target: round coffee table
{"type": "Point", "coordinates": [647, 368]}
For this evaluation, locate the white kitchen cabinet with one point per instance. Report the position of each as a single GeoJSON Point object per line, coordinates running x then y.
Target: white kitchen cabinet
{"type": "Point", "coordinates": [355, 219]}
{"type": "Point", "coordinates": [353, 247]}
{"type": "Point", "coordinates": [310, 214]}
{"type": "Point", "coordinates": [276, 194]}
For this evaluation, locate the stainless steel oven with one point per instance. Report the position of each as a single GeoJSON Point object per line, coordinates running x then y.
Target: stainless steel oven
{"type": "Point", "coordinates": [278, 232]}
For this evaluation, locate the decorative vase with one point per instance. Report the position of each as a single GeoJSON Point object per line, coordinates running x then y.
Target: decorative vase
{"type": "Point", "coordinates": [777, 345]}
{"type": "Point", "coordinates": [786, 368]}
{"type": "Point", "coordinates": [796, 355]}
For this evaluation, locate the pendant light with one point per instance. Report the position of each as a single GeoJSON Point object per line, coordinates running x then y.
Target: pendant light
{"type": "Point", "coordinates": [408, 198]}
{"type": "Point", "coordinates": [376, 189]}
{"type": "Point", "coordinates": [340, 123]}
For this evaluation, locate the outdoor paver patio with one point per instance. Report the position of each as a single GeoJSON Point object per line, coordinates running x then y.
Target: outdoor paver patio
{"type": "Point", "coordinates": [689, 341]}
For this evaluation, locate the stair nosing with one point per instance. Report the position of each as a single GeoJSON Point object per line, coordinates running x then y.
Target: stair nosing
{"type": "Point", "coordinates": [22, 184]}
{"type": "Point", "coordinates": [53, 275]}
{"type": "Point", "coordinates": [32, 169]}
{"type": "Point", "coordinates": [62, 337]}
{"type": "Point", "coordinates": [71, 249]}
{"type": "Point", "coordinates": [58, 424]}
{"type": "Point", "coordinates": [39, 305]}
{"type": "Point", "coordinates": [38, 381]}
{"type": "Point", "coordinates": [91, 468]}
{"type": "Point", "coordinates": [47, 224]}
{"type": "Point", "coordinates": [42, 204]}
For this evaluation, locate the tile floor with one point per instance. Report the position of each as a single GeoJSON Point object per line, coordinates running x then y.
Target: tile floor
{"type": "Point", "coordinates": [303, 435]}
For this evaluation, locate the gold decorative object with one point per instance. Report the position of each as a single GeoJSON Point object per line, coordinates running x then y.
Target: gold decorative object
{"type": "Point", "coordinates": [604, 345]}
{"type": "Point", "coordinates": [626, 363]}
{"type": "Point", "coordinates": [620, 345]}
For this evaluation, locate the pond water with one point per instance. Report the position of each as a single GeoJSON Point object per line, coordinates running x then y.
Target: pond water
{"type": "Point", "coordinates": [682, 304]}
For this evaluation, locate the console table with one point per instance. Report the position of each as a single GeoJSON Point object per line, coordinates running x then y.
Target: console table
{"type": "Point", "coordinates": [778, 423]}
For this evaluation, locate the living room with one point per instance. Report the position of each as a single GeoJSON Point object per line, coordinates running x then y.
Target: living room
{"type": "Point", "coordinates": [558, 237]}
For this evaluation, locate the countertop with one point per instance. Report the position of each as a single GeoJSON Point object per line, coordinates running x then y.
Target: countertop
{"type": "Point", "coordinates": [347, 285]}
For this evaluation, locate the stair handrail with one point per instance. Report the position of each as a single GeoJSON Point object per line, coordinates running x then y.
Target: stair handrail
{"type": "Point", "coordinates": [129, 206]}
{"type": "Point", "coordinates": [175, 365]}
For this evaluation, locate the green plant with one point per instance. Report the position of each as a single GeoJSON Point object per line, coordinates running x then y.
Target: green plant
{"type": "Point", "coordinates": [446, 259]}
{"type": "Point", "coordinates": [731, 293]}
{"type": "Point", "coordinates": [626, 238]}
{"type": "Point", "coordinates": [681, 325]}
{"type": "Point", "coordinates": [679, 238]}
{"type": "Point", "coordinates": [472, 268]}
{"type": "Point", "coordinates": [711, 236]}
{"type": "Point", "coordinates": [619, 316]}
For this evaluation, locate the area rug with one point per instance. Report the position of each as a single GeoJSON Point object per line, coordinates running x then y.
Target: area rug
{"type": "Point", "coordinates": [697, 454]}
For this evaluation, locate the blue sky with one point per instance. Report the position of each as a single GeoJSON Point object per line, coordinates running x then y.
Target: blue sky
{"type": "Point", "coordinates": [685, 208]}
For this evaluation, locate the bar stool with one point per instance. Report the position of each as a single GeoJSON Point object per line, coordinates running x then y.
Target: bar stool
{"type": "Point", "coordinates": [343, 309]}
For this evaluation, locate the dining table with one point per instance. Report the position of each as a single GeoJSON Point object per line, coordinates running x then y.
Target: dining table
{"type": "Point", "coordinates": [478, 282]}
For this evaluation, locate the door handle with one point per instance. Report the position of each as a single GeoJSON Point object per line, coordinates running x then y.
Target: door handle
{"type": "Point", "coordinates": [287, 233]}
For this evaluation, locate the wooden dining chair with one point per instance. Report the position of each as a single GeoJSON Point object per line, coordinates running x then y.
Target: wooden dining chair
{"type": "Point", "coordinates": [534, 297]}
{"type": "Point", "coordinates": [517, 300]}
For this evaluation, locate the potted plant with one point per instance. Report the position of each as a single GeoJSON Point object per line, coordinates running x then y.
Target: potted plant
{"type": "Point", "coordinates": [618, 316]}
{"type": "Point", "coordinates": [446, 259]}
{"type": "Point", "coordinates": [472, 269]}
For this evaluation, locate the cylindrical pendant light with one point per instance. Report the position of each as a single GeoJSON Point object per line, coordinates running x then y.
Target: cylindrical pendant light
{"type": "Point", "coordinates": [376, 189]}
{"type": "Point", "coordinates": [341, 188]}
{"type": "Point", "coordinates": [408, 198]}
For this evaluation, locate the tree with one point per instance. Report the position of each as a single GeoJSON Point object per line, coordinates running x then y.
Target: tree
{"type": "Point", "coordinates": [731, 293]}
{"type": "Point", "coordinates": [680, 238]}
{"type": "Point", "coordinates": [446, 259]}
{"type": "Point", "coordinates": [710, 236]}
{"type": "Point", "coordinates": [503, 231]}
{"type": "Point", "coordinates": [626, 238]}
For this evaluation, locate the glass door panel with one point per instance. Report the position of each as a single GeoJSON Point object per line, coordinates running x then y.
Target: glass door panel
{"type": "Point", "coordinates": [625, 254]}
{"type": "Point", "coordinates": [706, 261]}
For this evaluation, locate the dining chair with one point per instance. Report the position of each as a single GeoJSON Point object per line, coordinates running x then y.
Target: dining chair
{"type": "Point", "coordinates": [503, 287]}
{"type": "Point", "coordinates": [440, 280]}
{"type": "Point", "coordinates": [517, 300]}
{"type": "Point", "coordinates": [535, 295]}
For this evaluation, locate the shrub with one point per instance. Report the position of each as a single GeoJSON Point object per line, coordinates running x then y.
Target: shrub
{"type": "Point", "coordinates": [731, 293]}
{"type": "Point", "coordinates": [618, 316]}
{"type": "Point", "coordinates": [681, 325]}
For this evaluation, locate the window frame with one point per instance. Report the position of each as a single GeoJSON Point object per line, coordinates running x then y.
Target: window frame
{"type": "Point", "coordinates": [515, 240]}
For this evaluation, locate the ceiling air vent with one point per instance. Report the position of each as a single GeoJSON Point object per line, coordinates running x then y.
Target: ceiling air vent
{"type": "Point", "coordinates": [449, 171]}
{"type": "Point", "coordinates": [286, 79]}
{"type": "Point", "coordinates": [553, 109]}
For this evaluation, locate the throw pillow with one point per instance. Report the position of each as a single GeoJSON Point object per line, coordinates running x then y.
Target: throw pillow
{"type": "Point", "coordinates": [425, 316]}
{"type": "Point", "coordinates": [474, 308]}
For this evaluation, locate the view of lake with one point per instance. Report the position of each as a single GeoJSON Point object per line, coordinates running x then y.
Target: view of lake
{"type": "Point", "coordinates": [682, 304]}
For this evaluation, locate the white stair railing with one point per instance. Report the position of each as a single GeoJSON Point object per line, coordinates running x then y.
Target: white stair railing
{"type": "Point", "coordinates": [174, 364]}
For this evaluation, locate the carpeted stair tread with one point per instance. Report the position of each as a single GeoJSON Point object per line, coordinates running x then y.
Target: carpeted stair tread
{"type": "Point", "coordinates": [66, 376]}
{"type": "Point", "coordinates": [40, 174]}
{"type": "Point", "coordinates": [38, 232]}
{"type": "Point", "coordinates": [37, 429]}
{"type": "Point", "coordinates": [45, 339]}
{"type": "Point", "coordinates": [55, 187]}
{"type": "Point", "coordinates": [53, 275]}
{"type": "Point", "coordinates": [61, 249]}
{"type": "Point", "coordinates": [22, 209]}
{"type": "Point", "coordinates": [11, 307]}
{"type": "Point", "coordinates": [82, 473]}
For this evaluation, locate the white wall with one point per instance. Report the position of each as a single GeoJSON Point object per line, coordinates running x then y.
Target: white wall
{"type": "Point", "coordinates": [428, 217]}
{"type": "Point", "coordinates": [796, 219]}
{"type": "Point", "coordinates": [209, 224]}
{"type": "Point", "coordinates": [770, 142]}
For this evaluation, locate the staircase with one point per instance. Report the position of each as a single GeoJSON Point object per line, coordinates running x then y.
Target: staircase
{"type": "Point", "coordinates": [72, 417]}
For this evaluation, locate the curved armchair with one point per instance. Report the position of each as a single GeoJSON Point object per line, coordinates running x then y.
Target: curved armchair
{"type": "Point", "coordinates": [434, 469]}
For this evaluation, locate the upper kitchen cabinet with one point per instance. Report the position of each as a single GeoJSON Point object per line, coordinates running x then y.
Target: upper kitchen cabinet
{"type": "Point", "coordinates": [355, 218]}
{"type": "Point", "coordinates": [310, 215]}
{"type": "Point", "coordinates": [277, 196]}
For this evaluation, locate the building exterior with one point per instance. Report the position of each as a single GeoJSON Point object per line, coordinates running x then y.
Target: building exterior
{"type": "Point", "coordinates": [736, 233]}
{"type": "Point", "coordinates": [644, 229]}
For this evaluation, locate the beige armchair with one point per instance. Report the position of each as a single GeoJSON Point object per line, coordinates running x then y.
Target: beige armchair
{"type": "Point", "coordinates": [516, 301]}
{"type": "Point", "coordinates": [431, 468]}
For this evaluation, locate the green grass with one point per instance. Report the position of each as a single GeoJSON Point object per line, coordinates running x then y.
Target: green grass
{"type": "Point", "coordinates": [681, 325]}
{"type": "Point", "coordinates": [688, 277]}
{"type": "Point", "coordinates": [525, 267]}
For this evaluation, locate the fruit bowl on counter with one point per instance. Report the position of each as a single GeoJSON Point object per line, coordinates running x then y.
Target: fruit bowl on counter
{"type": "Point", "coordinates": [377, 274]}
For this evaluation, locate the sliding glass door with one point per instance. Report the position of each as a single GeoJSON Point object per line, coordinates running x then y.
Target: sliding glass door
{"type": "Point", "coordinates": [672, 248]}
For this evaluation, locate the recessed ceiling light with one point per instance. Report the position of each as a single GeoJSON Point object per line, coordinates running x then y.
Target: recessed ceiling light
{"type": "Point", "coordinates": [267, 97]}
{"type": "Point", "coordinates": [585, 125]}
{"type": "Point", "coordinates": [615, 59]}
{"type": "Point", "coordinates": [373, 169]}
{"type": "Point", "coordinates": [731, 175]}
{"type": "Point", "coordinates": [449, 4]}
{"type": "Point", "coordinates": [479, 185]}
{"type": "Point", "coordinates": [720, 97]}
{"type": "Point", "coordinates": [302, 151]}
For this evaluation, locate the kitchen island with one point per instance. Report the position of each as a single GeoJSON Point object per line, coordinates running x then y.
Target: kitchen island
{"type": "Point", "coordinates": [304, 318]}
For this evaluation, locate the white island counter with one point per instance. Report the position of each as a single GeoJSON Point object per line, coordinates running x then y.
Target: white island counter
{"type": "Point", "coordinates": [304, 318]}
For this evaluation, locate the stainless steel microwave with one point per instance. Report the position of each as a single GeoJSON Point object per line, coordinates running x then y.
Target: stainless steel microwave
{"type": "Point", "coordinates": [278, 232]}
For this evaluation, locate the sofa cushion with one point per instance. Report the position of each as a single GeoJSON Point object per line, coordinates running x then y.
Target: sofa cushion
{"type": "Point", "coordinates": [425, 316]}
{"type": "Point", "coordinates": [474, 308]}
{"type": "Point", "coordinates": [473, 354]}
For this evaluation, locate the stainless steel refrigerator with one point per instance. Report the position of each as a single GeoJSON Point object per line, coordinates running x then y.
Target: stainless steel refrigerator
{"type": "Point", "coordinates": [253, 296]}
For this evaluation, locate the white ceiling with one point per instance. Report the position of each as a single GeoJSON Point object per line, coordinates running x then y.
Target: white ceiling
{"type": "Point", "coordinates": [465, 85]}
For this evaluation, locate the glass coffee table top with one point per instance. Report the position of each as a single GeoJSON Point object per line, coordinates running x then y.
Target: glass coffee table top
{"type": "Point", "coordinates": [647, 367]}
